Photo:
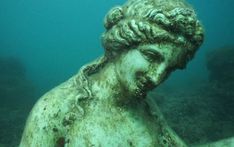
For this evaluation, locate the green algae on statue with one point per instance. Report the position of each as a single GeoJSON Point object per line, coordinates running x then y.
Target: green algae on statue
{"type": "Point", "coordinates": [105, 103]}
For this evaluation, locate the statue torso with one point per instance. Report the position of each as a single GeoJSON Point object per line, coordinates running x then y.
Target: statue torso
{"type": "Point", "coordinates": [106, 125]}
{"type": "Point", "coordinates": [67, 116]}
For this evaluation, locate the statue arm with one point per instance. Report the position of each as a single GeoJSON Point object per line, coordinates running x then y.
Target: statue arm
{"type": "Point", "coordinates": [37, 129]}
{"type": "Point", "coordinates": [229, 142]}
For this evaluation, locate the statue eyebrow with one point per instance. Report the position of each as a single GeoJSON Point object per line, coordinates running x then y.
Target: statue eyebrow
{"type": "Point", "coordinates": [152, 53]}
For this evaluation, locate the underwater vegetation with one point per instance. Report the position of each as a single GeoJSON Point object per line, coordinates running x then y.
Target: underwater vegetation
{"type": "Point", "coordinates": [206, 113]}
{"type": "Point", "coordinates": [15, 88]}
{"type": "Point", "coordinates": [17, 98]}
{"type": "Point", "coordinates": [220, 64]}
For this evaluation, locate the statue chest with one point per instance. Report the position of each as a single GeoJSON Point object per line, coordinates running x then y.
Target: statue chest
{"type": "Point", "coordinates": [111, 126]}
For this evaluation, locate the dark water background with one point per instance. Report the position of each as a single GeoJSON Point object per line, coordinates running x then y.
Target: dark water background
{"type": "Point", "coordinates": [52, 39]}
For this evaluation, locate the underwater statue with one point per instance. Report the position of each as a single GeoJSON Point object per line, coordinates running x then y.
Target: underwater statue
{"type": "Point", "coordinates": [105, 104]}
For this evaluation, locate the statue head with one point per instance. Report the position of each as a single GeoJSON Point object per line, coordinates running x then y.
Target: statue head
{"type": "Point", "coordinates": [148, 39]}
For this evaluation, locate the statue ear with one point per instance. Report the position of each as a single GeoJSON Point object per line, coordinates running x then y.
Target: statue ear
{"type": "Point", "coordinates": [113, 17]}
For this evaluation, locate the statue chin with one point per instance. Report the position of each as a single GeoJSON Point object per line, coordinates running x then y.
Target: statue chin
{"type": "Point", "coordinates": [141, 91]}
{"type": "Point", "coordinates": [140, 94]}
{"type": "Point", "coordinates": [143, 88]}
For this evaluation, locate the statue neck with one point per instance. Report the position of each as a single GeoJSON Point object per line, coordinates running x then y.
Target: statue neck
{"type": "Point", "coordinates": [106, 87]}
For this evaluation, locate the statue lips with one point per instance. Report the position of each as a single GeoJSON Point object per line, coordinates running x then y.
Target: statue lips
{"type": "Point", "coordinates": [146, 83]}
{"type": "Point", "coordinates": [150, 84]}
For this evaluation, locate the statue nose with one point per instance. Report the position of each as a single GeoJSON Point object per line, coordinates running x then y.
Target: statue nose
{"type": "Point", "coordinates": [158, 75]}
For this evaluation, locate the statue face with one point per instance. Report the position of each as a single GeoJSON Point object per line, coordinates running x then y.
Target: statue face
{"type": "Point", "coordinates": [142, 69]}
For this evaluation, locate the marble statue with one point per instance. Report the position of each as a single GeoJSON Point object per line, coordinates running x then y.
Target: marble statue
{"type": "Point", "coordinates": [105, 103]}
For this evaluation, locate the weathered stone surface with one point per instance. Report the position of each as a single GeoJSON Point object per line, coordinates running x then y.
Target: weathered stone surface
{"type": "Point", "coordinates": [104, 104]}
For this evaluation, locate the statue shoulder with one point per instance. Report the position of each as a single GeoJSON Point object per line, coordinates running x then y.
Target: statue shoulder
{"type": "Point", "coordinates": [54, 112]}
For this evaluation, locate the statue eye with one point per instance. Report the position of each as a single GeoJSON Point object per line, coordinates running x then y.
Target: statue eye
{"type": "Point", "coordinates": [152, 56]}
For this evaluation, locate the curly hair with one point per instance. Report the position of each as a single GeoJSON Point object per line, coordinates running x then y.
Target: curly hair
{"type": "Point", "coordinates": [148, 21]}
{"type": "Point", "coordinates": [151, 21]}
